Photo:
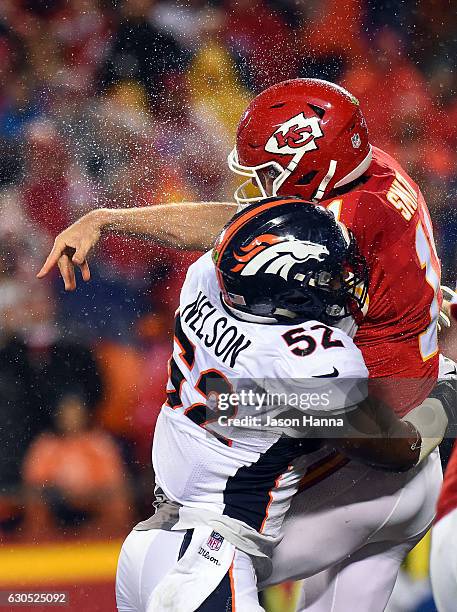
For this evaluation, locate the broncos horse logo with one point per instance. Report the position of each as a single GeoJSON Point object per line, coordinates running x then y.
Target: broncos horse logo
{"type": "Point", "coordinates": [276, 255]}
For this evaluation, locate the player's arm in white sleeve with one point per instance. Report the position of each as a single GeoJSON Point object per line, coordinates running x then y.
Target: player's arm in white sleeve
{"type": "Point", "coordinates": [185, 225]}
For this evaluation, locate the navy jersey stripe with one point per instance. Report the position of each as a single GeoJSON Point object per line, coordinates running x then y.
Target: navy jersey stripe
{"type": "Point", "coordinates": [185, 542]}
{"type": "Point", "coordinates": [221, 599]}
{"type": "Point", "coordinates": [247, 493]}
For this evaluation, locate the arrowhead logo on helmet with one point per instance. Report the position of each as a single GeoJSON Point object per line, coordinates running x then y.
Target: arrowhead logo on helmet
{"type": "Point", "coordinates": [298, 134]}
{"type": "Point", "coordinates": [275, 255]}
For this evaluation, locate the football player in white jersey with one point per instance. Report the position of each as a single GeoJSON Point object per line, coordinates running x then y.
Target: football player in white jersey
{"type": "Point", "coordinates": [387, 513]}
{"type": "Point", "coordinates": [262, 307]}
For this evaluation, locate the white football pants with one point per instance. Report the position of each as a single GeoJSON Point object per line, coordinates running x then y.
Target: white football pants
{"type": "Point", "coordinates": [349, 534]}
{"type": "Point", "coordinates": [150, 558]}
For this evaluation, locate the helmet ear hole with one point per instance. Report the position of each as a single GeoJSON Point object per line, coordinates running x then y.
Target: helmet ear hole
{"type": "Point", "coordinates": [320, 112]}
{"type": "Point", "coordinates": [307, 178]}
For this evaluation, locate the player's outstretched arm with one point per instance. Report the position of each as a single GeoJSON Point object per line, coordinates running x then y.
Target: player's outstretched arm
{"type": "Point", "coordinates": [185, 225]}
{"type": "Point", "coordinates": [378, 438]}
{"type": "Point", "coordinates": [387, 442]}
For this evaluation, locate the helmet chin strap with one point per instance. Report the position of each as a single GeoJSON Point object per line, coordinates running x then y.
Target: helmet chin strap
{"type": "Point", "coordinates": [325, 181]}
{"type": "Point", "coordinates": [252, 318]}
{"type": "Point", "coordinates": [246, 316]}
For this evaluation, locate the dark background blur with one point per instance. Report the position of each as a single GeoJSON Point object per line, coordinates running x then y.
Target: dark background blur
{"type": "Point", "coordinates": [133, 103]}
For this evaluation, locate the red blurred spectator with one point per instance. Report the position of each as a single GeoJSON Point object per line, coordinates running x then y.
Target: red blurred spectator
{"type": "Point", "coordinates": [335, 28]}
{"type": "Point", "coordinates": [83, 31]}
{"type": "Point", "coordinates": [137, 175]}
{"type": "Point", "coordinates": [394, 94]}
{"type": "Point", "coordinates": [46, 188]}
{"type": "Point", "coordinates": [264, 45]}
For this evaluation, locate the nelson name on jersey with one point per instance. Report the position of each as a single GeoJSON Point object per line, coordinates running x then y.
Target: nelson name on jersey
{"type": "Point", "coordinates": [214, 330]}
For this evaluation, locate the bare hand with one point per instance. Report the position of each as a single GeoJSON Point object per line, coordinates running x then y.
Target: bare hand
{"type": "Point", "coordinates": [71, 248]}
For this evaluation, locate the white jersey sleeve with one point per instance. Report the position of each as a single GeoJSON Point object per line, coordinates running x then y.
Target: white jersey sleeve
{"type": "Point", "coordinates": [323, 366]}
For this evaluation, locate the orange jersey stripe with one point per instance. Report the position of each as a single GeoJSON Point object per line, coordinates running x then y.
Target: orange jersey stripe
{"type": "Point", "coordinates": [275, 486]}
{"type": "Point", "coordinates": [232, 586]}
{"type": "Point", "coordinates": [322, 469]}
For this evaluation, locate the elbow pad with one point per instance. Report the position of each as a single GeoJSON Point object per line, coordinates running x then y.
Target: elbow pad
{"type": "Point", "coordinates": [430, 420]}
{"type": "Point", "coordinates": [438, 411]}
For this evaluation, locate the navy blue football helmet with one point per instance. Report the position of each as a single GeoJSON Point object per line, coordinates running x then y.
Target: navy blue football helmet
{"type": "Point", "coordinates": [285, 260]}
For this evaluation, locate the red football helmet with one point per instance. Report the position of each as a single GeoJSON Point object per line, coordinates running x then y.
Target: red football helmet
{"type": "Point", "coordinates": [302, 137]}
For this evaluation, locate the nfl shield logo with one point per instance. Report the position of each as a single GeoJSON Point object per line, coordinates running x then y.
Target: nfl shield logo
{"type": "Point", "coordinates": [215, 541]}
{"type": "Point", "coordinates": [356, 141]}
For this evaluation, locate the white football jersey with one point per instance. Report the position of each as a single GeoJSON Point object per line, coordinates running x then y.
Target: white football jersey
{"type": "Point", "coordinates": [217, 449]}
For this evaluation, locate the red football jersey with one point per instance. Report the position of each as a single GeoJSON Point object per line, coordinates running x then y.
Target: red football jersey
{"type": "Point", "coordinates": [448, 497]}
{"type": "Point", "coordinates": [398, 336]}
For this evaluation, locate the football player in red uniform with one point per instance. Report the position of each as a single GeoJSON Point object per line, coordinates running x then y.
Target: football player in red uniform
{"type": "Point", "coordinates": [308, 138]}
{"type": "Point", "coordinates": [320, 151]}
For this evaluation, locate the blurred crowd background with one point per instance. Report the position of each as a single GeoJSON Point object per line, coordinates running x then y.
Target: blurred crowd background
{"type": "Point", "coordinates": [133, 103]}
